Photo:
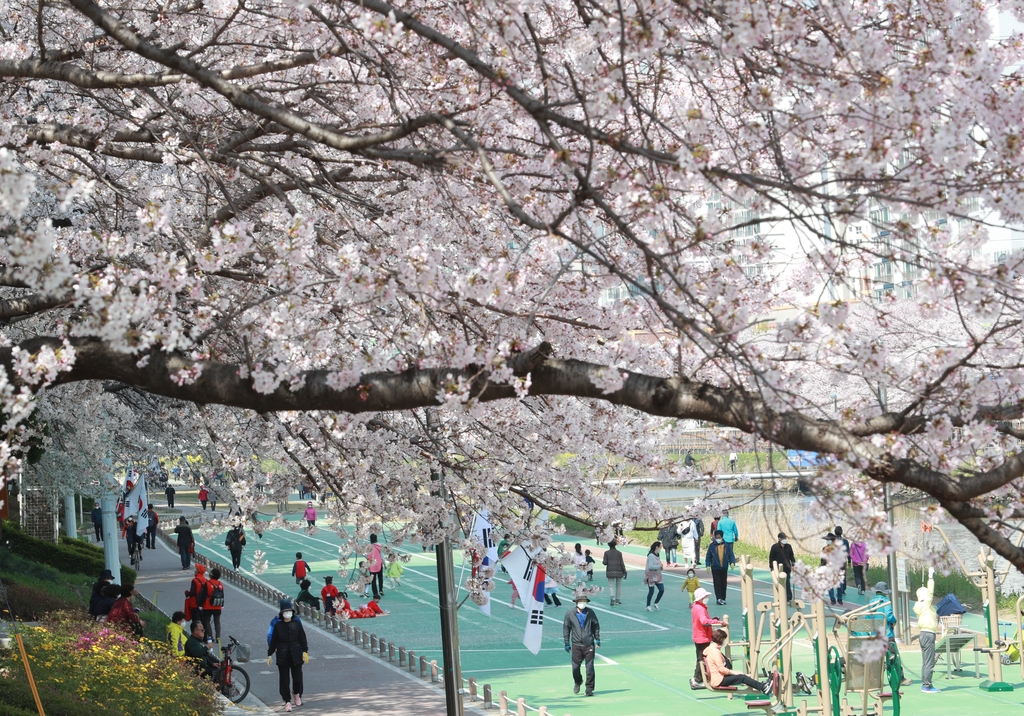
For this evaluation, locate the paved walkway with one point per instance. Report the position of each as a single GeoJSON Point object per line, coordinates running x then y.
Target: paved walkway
{"type": "Point", "coordinates": [339, 678]}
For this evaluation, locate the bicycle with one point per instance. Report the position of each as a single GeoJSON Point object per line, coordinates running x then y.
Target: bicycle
{"type": "Point", "coordinates": [135, 555]}
{"type": "Point", "coordinates": [231, 680]}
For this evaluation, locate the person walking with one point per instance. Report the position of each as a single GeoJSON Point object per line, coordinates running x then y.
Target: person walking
{"type": "Point", "coordinates": [581, 633]}
{"type": "Point", "coordinates": [97, 521]}
{"type": "Point", "coordinates": [830, 545]}
{"type": "Point", "coordinates": [733, 459]}
{"type": "Point", "coordinates": [195, 595]}
{"type": "Point", "coordinates": [845, 544]}
{"type": "Point", "coordinates": [169, 494]}
{"type": "Point", "coordinates": [394, 572]}
{"type": "Point", "coordinates": [669, 538]}
{"type": "Point", "coordinates": [719, 559]}
{"type": "Point", "coordinates": [376, 567]}
{"type": "Point", "coordinates": [214, 604]}
{"type": "Point", "coordinates": [288, 642]}
{"type": "Point", "coordinates": [235, 541]}
{"type": "Point", "coordinates": [721, 674]}
{"type": "Point", "coordinates": [154, 520]}
{"type": "Point", "coordinates": [186, 542]}
{"type": "Point", "coordinates": [330, 595]}
{"type": "Point", "coordinates": [730, 532]}
{"type": "Point", "coordinates": [300, 569]}
{"type": "Point", "coordinates": [701, 626]}
{"type": "Point", "coordinates": [781, 556]}
{"type": "Point", "coordinates": [698, 537]}
{"type": "Point", "coordinates": [579, 561]}
{"type": "Point", "coordinates": [687, 530]}
{"type": "Point", "coordinates": [310, 515]}
{"type": "Point", "coordinates": [614, 572]}
{"type": "Point", "coordinates": [213, 499]}
{"type": "Point", "coordinates": [204, 495]}
{"type": "Point", "coordinates": [859, 559]}
{"type": "Point", "coordinates": [928, 623]}
{"type": "Point", "coordinates": [653, 576]}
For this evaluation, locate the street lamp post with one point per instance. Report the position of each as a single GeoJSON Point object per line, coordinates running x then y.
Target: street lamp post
{"type": "Point", "coordinates": [887, 499]}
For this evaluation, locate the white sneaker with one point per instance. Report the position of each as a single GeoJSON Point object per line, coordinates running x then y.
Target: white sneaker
{"type": "Point", "coordinates": [288, 707]}
{"type": "Point", "coordinates": [650, 609]}
{"type": "Point", "coordinates": [657, 608]}
{"type": "Point", "coordinates": [298, 700]}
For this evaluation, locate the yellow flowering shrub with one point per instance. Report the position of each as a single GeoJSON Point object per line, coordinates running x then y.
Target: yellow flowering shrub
{"type": "Point", "coordinates": [111, 669]}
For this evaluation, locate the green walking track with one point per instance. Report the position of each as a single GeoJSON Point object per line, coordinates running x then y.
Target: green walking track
{"type": "Point", "coordinates": [646, 659]}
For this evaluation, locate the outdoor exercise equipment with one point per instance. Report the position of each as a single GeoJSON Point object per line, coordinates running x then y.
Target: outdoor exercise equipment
{"type": "Point", "coordinates": [985, 579]}
{"type": "Point", "coordinates": [865, 680]}
{"type": "Point", "coordinates": [769, 631]}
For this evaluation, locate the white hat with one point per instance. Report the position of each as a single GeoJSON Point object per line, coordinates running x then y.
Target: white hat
{"type": "Point", "coordinates": [701, 593]}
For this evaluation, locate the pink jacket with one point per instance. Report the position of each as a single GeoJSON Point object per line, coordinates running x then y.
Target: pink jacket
{"type": "Point", "coordinates": [702, 623]}
{"type": "Point", "coordinates": [858, 553]}
{"type": "Point", "coordinates": [376, 563]}
{"type": "Point", "coordinates": [310, 513]}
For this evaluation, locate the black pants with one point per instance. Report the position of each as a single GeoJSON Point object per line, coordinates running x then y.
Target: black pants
{"type": "Point", "coordinates": [186, 556]}
{"type": "Point", "coordinates": [552, 599]}
{"type": "Point", "coordinates": [377, 583]}
{"type": "Point", "coordinates": [858, 577]}
{"type": "Point", "coordinates": [170, 501]}
{"type": "Point", "coordinates": [211, 616]}
{"type": "Point", "coordinates": [99, 532]}
{"type": "Point", "coordinates": [204, 504]}
{"type": "Point", "coordinates": [283, 671]}
{"type": "Point", "coordinates": [698, 673]}
{"type": "Point", "coordinates": [213, 505]}
{"type": "Point", "coordinates": [721, 578]}
{"type": "Point", "coordinates": [582, 654]}
{"type": "Point", "coordinates": [789, 586]}
{"type": "Point", "coordinates": [236, 558]}
{"type": "Point", "coordinates": [151, 537]}
{"type": "Point", "coordinates": [736, 679]}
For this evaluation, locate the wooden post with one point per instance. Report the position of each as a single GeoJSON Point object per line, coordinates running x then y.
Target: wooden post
{"type": "Point", "coordinates": [503, 703]}
{"type": "Point", "coordinates": [433, 671]}
{"type": "Point", "coordinates": [373, 642]}
{"type": "Point", "coordinates": [423, 667]}
{"type": "Point", "coordinates": [412, 662]}
{"type": "Point", "coordinates": [488, 703]}
{"type": "Point", "coordinates": [472, 689]}
{"type": "Point", "coordinates": [391, 651]}
{"type": "Point", "coordinates": [520, 706]}
{"type": "Point", "coordinates": [401, 656]}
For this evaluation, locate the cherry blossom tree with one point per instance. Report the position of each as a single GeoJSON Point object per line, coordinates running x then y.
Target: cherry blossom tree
{"type": "Point", "coordinates": [321, 222]}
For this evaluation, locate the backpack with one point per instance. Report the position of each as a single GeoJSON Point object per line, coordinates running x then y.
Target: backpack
{"type": "Point", "coordinates": [687, 530]}
{"type": "Point", "coordinates": [216, 595]}
{"type": "Point", "coordinates": [273, 623]}
{"type": "Point", "coordinates": [700, 527]}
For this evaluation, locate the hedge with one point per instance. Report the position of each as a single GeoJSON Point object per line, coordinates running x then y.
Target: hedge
{"type": "Point", "coordinates": [69, 558]}
{"type": "Point", "coordinates": [16, 700]}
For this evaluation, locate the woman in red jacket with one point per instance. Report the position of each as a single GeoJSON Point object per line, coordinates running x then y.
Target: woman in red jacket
{"type": "Point", "coordinates": [703, 625]}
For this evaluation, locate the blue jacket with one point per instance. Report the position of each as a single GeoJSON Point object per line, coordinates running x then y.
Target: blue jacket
{"type": "Point", "coordinates": [729, 530]}
{"type": "Point", "coordinates": [890, 618]}
{"type": "Point", "coordinates": [712, 557]}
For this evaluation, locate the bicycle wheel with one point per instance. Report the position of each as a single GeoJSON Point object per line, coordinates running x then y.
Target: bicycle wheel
{"type": "Point", "coordinates": [238, 689]}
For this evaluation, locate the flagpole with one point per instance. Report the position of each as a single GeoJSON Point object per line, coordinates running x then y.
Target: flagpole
{"type": "Point", "coordinates": [446, 599]}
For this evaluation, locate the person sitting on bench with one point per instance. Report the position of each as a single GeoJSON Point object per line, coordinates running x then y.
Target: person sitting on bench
{"type": "Point", "coordinates": [719, 671]}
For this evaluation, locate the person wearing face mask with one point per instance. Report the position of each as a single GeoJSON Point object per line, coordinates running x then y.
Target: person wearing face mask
{"type": "Point", "coordinates": [288, 641]}
{"type": "Point", "coordinates": [781, 555]}
{"type": "Point", "coordinates": [581, 633]}
{"type": "Point", "coordinates": [718, 560]}
{"type": "Point", "coordinates": [177, 634]}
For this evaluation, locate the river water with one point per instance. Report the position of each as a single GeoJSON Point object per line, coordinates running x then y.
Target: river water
{"type": "Point", "coordinates": [761, 515]}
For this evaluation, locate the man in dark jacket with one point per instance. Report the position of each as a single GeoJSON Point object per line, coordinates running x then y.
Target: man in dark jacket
{"type": "Point", "coordinates": [718, 559]}
{"type": "Point", "coordinates": [288, 641]}
{"type": "Point", "coordinates": [234, 542]}
{"type": "Point", "coordinates": [614, 571]}
{"type": "Point", "coordinates": [152, 520]}
{"type": "Point", "coordinates": [97, 522]}
{"type": "Point", "coordinates": [781, 554]}
{"type": "Point", "coordinates": [97, 591]}
{"type": "Point", "coordinates": [195, 648]}
{"type": "Point", "coordinates": [582, 635]}
{"type": "Point", "coordinates": [169, 492]}
{"type": "Point", "coordinates": [185, 542]}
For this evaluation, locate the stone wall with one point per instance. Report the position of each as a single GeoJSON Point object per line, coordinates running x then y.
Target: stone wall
{"type": "Point", "coordinates": [38, 517]}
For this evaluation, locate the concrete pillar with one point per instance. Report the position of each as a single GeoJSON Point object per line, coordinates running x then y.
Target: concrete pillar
{"type": "Point", "coordinates": [70, 516]}
{"type": "Point", "coordinates": [111, 559]}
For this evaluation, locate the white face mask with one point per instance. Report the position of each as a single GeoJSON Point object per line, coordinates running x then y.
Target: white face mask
{"type": "Point", "coordinates": [719, 541]}
{"type": "Point", "coordinates": [287, 615]}
{"type": "Point", "coordinates": [782, 541]}
{"type": "Point", "coordinates": [581, 605]}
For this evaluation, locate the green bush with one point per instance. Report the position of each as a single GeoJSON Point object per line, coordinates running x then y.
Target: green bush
{"type": "Point", "coordinates": [30, 604]}
{"type": "Point", "coordinates": [16, 700]}
{"type": "Point", "coordinates": [72, 559]}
